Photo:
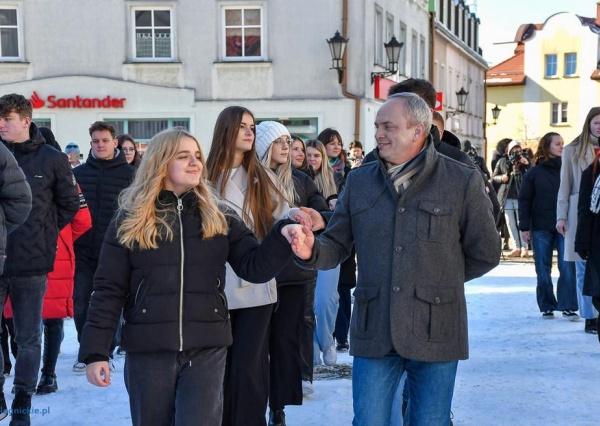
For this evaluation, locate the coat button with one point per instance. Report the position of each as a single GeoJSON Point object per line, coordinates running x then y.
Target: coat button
{"type": "Point", "coordinates": [398, 249]}
{"type": "Point", "coordinates": [216, 311]}
{"type": "Point", "coordinates": [436, 210]}
{"type": "Point", "coordinates": [396, 288]}
{"type": "Point", "coordinates": [437, 300]}
{"type": "Point", "coordinates": [143, 311]}
{"type": "Point", "coordinates": [401, 210]}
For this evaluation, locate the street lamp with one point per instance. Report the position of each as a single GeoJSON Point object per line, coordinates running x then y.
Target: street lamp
{"type": "Point", "coordinates": [461, 95]}
{"type": "Point", "coordinates": [337, 46]}
{"type": "Point", "coordinates": [392, 51]}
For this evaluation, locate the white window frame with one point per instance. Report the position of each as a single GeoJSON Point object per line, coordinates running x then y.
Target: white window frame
{"type": "Point", "coordinates": [19, 27]}
{"type": "Point", "coordinates": [414, 55]}
{"type": "Point", "coordinates": [378, 37]}
{"type": "Point", "coordinates": [134, 57]}
{"type": "Point", "coordinates": [546, 57]}
{"type": "Point", "coordinates": [562, 108]}
{"type": "Point", "coordinates": [403, 36]}
{"type": "Point", "coordinates": [263, 33]}
{"type": "Point", "coordinates": [574, 73]}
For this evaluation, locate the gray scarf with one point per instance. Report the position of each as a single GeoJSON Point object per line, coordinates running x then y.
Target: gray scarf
{"type": "Point", "coordinates": [401, 174]}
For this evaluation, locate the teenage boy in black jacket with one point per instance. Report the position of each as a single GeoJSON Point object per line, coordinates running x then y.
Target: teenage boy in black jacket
{"type": "Point", "coordinates": [31, 249]}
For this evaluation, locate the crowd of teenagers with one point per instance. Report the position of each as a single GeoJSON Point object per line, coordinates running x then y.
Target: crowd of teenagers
{"type": "Point", "coordinates": [229, 276]}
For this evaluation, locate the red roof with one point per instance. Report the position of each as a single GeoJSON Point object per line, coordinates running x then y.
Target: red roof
{"type": "Point", "coordinates": [510, 72]}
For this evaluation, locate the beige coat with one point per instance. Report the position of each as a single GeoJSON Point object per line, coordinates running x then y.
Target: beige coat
{"type": "Point", "coordinates": [240, 293]}
{"type": "Point", "coordinates": [568, 193]}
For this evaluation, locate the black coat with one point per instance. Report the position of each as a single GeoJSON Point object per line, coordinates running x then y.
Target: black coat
{"type": "Point", "coordinates": [101, 182]}
{"type": "Point", "coordinates": [538, 195]}
{"type": "Point", "coordinates": [31, 248]}
{"type": "Point", "coordinates": [587, 238]}
{"type": "Point", "coordinates": [15, 198]}
{"type": "Point", "coordinates": [149, 285]}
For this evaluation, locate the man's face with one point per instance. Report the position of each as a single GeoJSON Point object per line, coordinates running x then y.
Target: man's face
{"type": "Point", "coordinates": [73, 157]}
{"type": "Point", "coordinates": [103, 145]}
{"type": "Point", "coordinates": [13, 128]}
{"type": "Point", "coordinates": [398, 141]}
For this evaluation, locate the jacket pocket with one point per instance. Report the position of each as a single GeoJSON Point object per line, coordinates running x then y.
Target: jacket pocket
{"type": "Point", "coordinates": [138, 300]}
{"type": "Point", "coordinates": [435, 314]}
{"type": "Point", "coordinates": [364, 310]}
{"type": "Point", "coordinates": [433, 222]}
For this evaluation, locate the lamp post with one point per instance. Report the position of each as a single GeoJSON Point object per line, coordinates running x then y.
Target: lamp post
{"type": "Point", "coordinates": [337, 47]}
{"type": "Point", "coordinates": [392, 51]}
{"type": "Point", "coordinates": [461, 96]}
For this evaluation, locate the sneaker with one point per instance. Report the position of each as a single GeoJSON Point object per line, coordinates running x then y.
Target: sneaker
{"type": "Point", "coordinates": [515, 253]}
{"type": "Point", "coordinates": [570, 315]}
{"type": "Point", "coordinates": [330, 356]}
{"type": "Point", "coordinates": [524, 253]}
{"type": "Point", "coordinates": [79, 368]}
{"type": "Point", "coordinates": [548, 315]}
{"type": "Point", "coordinates": [342, 347]}
{"type": "Point", "coordinates": [591, 326]}
{"type": "Point", "coordinates": [307, 388]}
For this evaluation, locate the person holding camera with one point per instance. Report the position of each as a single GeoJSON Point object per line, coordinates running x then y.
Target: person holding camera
{"type": "Point", "coordinates": [508, 173]}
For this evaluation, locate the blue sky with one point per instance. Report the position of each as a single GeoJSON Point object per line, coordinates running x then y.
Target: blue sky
{"type": "Point", "coordinates": [501, 18]}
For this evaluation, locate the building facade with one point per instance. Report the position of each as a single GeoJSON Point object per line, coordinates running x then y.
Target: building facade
{"type": "Point", "coordinates": [551, 81]}
{"type": "Point", "coordinates": [145, 65]}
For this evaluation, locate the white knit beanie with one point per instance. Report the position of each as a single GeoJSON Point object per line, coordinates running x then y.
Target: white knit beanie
{"type": "Point", "coordinates": [513, 144]}
{"type": "Point", "coordinates": [266, 133]}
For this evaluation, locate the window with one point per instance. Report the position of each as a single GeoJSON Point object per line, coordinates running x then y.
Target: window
{"type": "Point", "coordinates": [550, 66]}
{"type": "Point", "coordinates": [570, 64]}
{"type": "Point", "coordinates": [378, 36]}
{"type": "Point", "coordinates": [402, 64]}
{"type": "Point", "coordinates": [153, 32]}
{"type": "Point", "coordinates": [43, 122]}
{"type": "Point", "coordinates": [422, 57]}
{"type": "Point", "coordinates": [143, 130]}
{"type": "Point", "coordinates": [243, 33]}
{"type": "Point", "coordinates": [414, 56]}
{"type": "Point", "coordinates": [305, 127]}
{"type": "Point", "coordinates": [559, 113]}
{"type": "Point", "coordinates": [9, 33]}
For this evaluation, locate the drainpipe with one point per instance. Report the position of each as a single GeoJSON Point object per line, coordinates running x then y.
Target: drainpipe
{"type": "Point", "coordinates": [344, 80]}
{"type": "Point", "coordinates": [432, 19]}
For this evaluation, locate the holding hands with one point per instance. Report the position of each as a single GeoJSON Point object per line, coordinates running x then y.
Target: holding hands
{"type": "Point", "coordinates": [301, 239]}
{"type": "Point", "coordinates": [308, 217]}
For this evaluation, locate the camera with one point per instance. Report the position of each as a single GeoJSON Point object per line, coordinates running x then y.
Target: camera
{"type": "Point", "coordinates": [514, 157]}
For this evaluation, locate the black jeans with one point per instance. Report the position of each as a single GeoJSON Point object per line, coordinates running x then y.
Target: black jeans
{"type": "Point", "coordinates": [53, 337]}
{"type": "Point", "coordinates": [176, 388]}
{"type": "Point", "coordinates": [26, 296]}
{"type": "Point", "coordinates": [307, 346]}
{"type": "Point", "coordinates": [342, 321]}
{"type": "Point", "coordinates": [7, 339]}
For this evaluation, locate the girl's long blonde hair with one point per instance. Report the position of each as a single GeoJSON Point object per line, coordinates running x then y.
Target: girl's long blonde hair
{"type": "Point", "coordinates": [143, 222]}
{"type": "Point", "coordinates": [284, 174]}
{"type": "Point", "coordinates": [325, 177]}
{"type": "Point", "coordinates": [584, 138]}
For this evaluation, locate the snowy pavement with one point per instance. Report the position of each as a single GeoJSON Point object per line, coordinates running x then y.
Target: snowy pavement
{"type": "Point", "coordinates": [523, 370]}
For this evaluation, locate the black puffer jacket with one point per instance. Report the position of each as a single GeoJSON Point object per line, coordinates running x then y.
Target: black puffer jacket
{"type": "Point", "coordinates": [15, 198]}
{"type": "Point", "coordinates": [178, 286]}
{"type": "Point", "coordinates": [538, 195]}
{"type": "Point", "coordinates": [31, 249]}
{"type": "Point", "coordinates": [308, 196]}
{"type": "Point", "coordinates": [101, 182]}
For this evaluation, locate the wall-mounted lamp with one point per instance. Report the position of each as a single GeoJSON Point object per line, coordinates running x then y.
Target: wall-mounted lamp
{"type": "Point", "coordinates": [392, 50]}
{"type": "Point", "coordinates": [495, 114]}
{"type": "Point", "coordinates": [461, 95]}
{"type": "Point", "coordinates": [337, 46]}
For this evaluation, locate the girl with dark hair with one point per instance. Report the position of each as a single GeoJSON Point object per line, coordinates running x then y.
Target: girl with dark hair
{"type": "Point", "coordinates": [163, 262]}
{"type": "Point", "coordinates": [253, 192]}
{"type": "Point", "coordinates": [577, 156]}
{"type": "Point", "coordinates": [127, 144]}
{"type": "Point", "coordinates": [537, 219]}
{"type": "Point", "coordinates": [332, 140]}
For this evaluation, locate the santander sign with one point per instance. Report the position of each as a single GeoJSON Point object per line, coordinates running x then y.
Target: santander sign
{"type": "Point", "coordinates": [77, 102]}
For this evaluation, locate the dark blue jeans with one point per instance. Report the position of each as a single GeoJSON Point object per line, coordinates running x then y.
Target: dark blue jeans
{"type": "Point", "coordinates": [26, 296]}
{"type": "Point", "coordinates": [342, 321]}
{"type": "Point", "coordinates": [176, 388]}
{"type": "Point", "coordinates": [543, 243]}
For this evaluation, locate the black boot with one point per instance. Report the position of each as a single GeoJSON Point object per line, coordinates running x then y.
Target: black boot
{"type": "Point", "coordinates": [3, 407]}
{"type": "Point", "coordinates": [47, 384]}
{"type": "Point", "coordinates": [21, 407]}
{"type": "Point", "coordinates": [277, 418]}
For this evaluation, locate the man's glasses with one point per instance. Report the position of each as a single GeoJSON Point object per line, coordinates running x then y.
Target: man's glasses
{"type": "Point", "coordinates": [283, 142]}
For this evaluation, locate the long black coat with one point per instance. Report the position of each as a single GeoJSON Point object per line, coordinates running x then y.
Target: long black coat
{"type": "Point", "coordinates": [538, 195]}
{"type": "Point", "coordinates": [587, 238]}
{"type": "Point", "coordinates": [173, 297]}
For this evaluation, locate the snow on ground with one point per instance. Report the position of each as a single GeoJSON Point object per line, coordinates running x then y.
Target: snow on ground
{"type": "Point", "coordinates": [522, 370]}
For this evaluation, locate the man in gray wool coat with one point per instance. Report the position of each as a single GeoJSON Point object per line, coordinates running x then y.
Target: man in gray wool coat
{"type": "Point", "coordinates": [422, 225]}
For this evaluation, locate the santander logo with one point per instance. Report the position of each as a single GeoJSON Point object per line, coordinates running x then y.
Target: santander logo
{"type": "Point", "coordinates": [77, 102]}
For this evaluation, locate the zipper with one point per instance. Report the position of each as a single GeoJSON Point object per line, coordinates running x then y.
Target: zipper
{"type": "Point", "coordinates": [138, 292]}
{"type": "Point", "coordinates": [179, 209]}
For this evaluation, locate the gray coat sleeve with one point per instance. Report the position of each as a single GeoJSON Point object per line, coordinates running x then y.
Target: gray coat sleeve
{"type": "Point", "coordinates": [15, 194]}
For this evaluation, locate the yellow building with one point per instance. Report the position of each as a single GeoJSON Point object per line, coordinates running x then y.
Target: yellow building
{"type": "Point", "coordinates": [549, 84]}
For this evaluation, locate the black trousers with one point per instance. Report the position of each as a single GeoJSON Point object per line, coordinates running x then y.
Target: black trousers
{"type": "Point", "coordinates": [596, 303]}
{"type": "Point", "coordinates": [307, 346]}
{"type": "Point", "coordinates": [7, 338]}
{"type": "Point", "coordinates": [53, 336]}
{"type": "Point", "coordinates": [284, 348]}
{"type": "Point", "coordinates": [342, 321]}
{"type": "Point", "coordinates": [246, 386]}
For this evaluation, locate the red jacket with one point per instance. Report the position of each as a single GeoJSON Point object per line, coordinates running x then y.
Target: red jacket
{"type": "Point", "coordinates": [58, 300]}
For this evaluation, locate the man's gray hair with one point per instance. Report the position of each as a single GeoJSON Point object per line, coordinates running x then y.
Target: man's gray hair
{"type": "Point", "coordinates": [416, 108]}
